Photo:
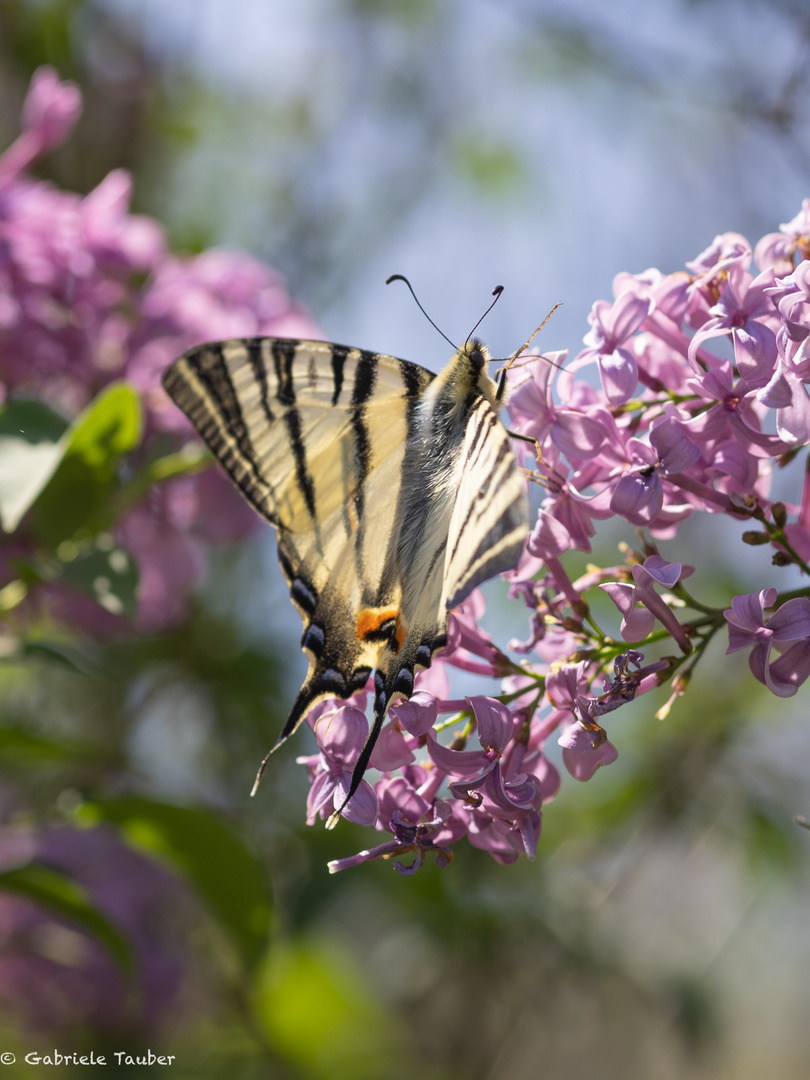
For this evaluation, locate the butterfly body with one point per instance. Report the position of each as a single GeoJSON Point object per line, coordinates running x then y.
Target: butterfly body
{"type": "Point", "coordinates": [394, 493]}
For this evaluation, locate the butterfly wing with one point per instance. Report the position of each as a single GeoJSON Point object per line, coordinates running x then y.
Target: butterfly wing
{"type": "Point", "coordinates": [314, 435]}
{"type": "Point", "coordinates": [477, 528]}
{"type": "Point", "coordinates": [463, 516]}
{"type": "Point", "coordinates": [490, 518]}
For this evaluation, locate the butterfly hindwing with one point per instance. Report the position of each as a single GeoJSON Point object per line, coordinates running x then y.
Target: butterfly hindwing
{"type": "Point", "coordinates": [314, 436]}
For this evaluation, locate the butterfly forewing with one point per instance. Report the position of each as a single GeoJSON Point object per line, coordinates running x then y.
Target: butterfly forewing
{"type": "Point", "coordinates": [488, 524]}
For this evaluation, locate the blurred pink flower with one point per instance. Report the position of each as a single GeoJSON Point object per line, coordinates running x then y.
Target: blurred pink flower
{"type": "Point", "coordinates": [89, 293]}
{"type": "Point", "coordinates": [59, 981]}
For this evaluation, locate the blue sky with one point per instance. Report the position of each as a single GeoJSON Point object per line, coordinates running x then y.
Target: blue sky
{"type": "Point", "coordinates": [635, 163]}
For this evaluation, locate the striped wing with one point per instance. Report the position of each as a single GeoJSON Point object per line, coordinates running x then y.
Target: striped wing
{"type": "Point", "coordinates": [476, 527]}
{"type": "Point", "coordinates": [489, 522]}
{"type": "Point", "coordinates": [314, 435]}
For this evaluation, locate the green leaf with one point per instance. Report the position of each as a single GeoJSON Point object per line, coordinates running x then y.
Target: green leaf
{"type": "Point", "coordinates": [226, 875]}
{"type": "Point", "coordinates": [110, 426]}
{"type": "Point", "coordinates": [190, 459]}
{"type": "Point", "coordinates": [62, 895]}
{"type": "Point", "coordinates": [19, 748]}
{"type": "Point", "coordinates": [67, 471]}
{"type": "Point", "coordinates": [58, 653]}
{"type": "Point", "coordinates": [103, 570]}
{"type": "Point", "coordinates": [32, 421]}
{"type": "Point", "coordinates": [30, 450]}
{"type": "Point", "coordinates": [98, 567]}
{"type": "Point", "coordinates": [78, 495]}
{"type": "Point", "coordinates": [318, 1011]}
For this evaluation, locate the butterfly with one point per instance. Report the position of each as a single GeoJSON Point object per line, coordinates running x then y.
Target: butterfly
{"type": "Point", "coordinates": [394, 493]}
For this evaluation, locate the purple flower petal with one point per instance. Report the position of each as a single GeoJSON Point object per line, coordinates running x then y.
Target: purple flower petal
{"type": "Point", "coordinates": [51, 108]}
{"type": "Point", "coordinates": [627, 314]}
{"type": "Point", "coordinates": [461, 763]}
{"type": "Point", "coordinates": [619, 372]}
{"type": "Point", "coordinates": [622, 594]}
{"type": "Point", "coordinates": [583, 754]}
{"type": "Point", "coordinates": [362, 807]}
{"type": "Point", "coordinates": [747, 609]}
{"type": "Point", "coordinates": [791, 621]}
{"type": "Point", "coordinates": [548, 537]}
{"type": "Point", "coordinates": [342, 734]}
{"type": "Point", "coordinates": [494, 721]}
{"type": "Point", "coordinates": [418, 714]}
{"type": "Point", "coordinates": [391, 751]}
{"type": "Point", "coordinates": [787, 673]}
{"type": "Point", "coordinates": [638, 496]}
{"type": "Point", "coordinates": [676, 451]}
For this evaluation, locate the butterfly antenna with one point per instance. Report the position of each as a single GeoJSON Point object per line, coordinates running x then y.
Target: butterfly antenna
{"type": "Point", "coordinates": [526, 344]}
{"type": "Point", "coordinates": [401, 277]}
{"type": "Point", "coordinates": [522, 349]}
{"type": "Point", "coordinates": [496, 292]}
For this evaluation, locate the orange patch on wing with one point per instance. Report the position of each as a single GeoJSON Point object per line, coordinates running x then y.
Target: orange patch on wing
{"type": "Point", "coordinates": [371, 619]}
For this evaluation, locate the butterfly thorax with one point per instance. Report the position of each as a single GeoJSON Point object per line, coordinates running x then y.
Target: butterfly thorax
{"type": "Point", "coordinates": [451, 394]}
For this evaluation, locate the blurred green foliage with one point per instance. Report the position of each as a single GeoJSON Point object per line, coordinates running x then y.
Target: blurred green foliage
{"type": "Point", "coordinates": [224, 873]}
{"type": "Point", "coordinates": [66, 898]}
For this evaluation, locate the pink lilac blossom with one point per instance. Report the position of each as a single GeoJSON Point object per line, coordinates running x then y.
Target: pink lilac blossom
{"type": "Point", "coordinates": [703, 378]}
{"type": "Point", "coordinates": [76, 984]}
{"type": "Point", "coordinates": [90, 293]}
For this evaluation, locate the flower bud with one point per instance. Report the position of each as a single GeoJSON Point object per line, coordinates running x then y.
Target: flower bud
{"type": "Point", "coordinates": [681, 681]}
{"type": "Point", "coordinates": [779, 514]}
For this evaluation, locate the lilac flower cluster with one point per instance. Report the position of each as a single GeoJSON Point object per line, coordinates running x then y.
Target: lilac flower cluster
{"type": "Point", "coordinates": [90, 293]}
{"type": "Point", "coordinates": [701, 395]}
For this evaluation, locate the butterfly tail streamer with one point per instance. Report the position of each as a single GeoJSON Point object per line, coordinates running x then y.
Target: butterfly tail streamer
{"type": "Point", "coordinates": [382, 701]}
{"type": "Point", "coordinates": [360, 767]}
{"type": "Point", "coordinates": [303, 703]}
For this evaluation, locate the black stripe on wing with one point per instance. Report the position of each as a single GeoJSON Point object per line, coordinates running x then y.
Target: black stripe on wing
{"type": "Point", "coordinates": [365, 378]}
{"type": "Point", "coordinates": [216, 412]}
{"type": "Point", "coordinates": [339, 354]}
{"type": "Point", "coordinates": [254, 348]}
{"type": "Point", "coordinates": [283, 353]}
{"type": "Point", "coordinates": [497, 515]}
